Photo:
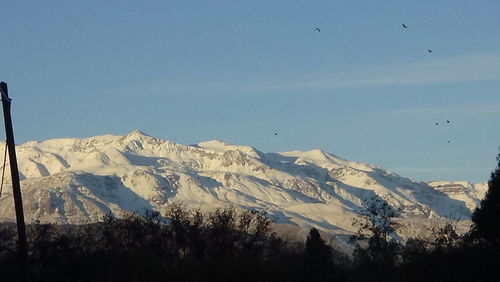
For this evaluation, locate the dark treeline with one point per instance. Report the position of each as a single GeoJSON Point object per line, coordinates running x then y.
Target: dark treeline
{"type": "Point", "coordinates": [227, 245]}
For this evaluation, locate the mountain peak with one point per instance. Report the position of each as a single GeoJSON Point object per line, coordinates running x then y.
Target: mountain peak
{"type": "Point", "coordinates": [137, 133]}
{"type": "Point", "coordinates": [221, 146]}
{"type": "Point", "coordinates": [139, 138]}
{"type": "Point", "coordinates": [319, 157]}
{"type": "Point", "coordinates": [214, 144]}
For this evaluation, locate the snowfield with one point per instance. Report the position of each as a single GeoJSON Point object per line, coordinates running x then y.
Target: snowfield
{"type": "Point", "coordinates": [78, 181]}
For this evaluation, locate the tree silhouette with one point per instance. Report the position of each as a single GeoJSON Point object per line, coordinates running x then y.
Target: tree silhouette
{"type": "Point", "coordinates": [316, 248]}
{"type": "Point", "coordinates": [318, 257]}
{"type": "Point", "coordinates": [486, 228]}
{"type": "Point", "coordinates": [376, 249]}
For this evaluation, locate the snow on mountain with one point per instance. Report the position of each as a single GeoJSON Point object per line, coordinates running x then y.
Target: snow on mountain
{"type": "Point", "coordinates": [463, 191]}
{"type": "Point", "coordinates": [75, 180]}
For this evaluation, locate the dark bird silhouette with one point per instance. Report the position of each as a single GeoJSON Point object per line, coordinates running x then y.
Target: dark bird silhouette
{"type": "Point", "coordinates": [437, 123]}
{"type": "Point", "coordinates": [449, 142]}
{"type": "Point", "coordinates": [429, 51]}
{"type": "Point", "coordinates": [447, 121]}
{"type": "Point", "coordinates": [404, 26]}
{"type": "Point", "coordinates": [275, 133]}
{"type": "Point", "coordinates": [319, 30]}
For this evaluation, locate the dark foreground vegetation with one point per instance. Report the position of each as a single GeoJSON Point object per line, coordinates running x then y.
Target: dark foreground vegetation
{"type": "Point", "coordinates": [226, 245]}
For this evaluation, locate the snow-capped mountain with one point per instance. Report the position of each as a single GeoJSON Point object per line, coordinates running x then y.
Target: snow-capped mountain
{"type": "Point", "coordinates": [79, 180]}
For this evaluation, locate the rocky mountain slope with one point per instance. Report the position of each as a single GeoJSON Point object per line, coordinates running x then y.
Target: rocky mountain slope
{"type": "Point", "coordinates": [79, 180]}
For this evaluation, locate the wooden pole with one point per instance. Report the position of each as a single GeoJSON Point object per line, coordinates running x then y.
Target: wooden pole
{"type": "Point", "coordinates": [16, 186]}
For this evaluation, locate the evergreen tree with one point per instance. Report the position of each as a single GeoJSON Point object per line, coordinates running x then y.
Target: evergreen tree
{"type": "Point", "coordinates": [318, 254]}
{"type": "Point", "coordinates": [486, 217]}
{"type": "Point", "coordinates": [316, 248]}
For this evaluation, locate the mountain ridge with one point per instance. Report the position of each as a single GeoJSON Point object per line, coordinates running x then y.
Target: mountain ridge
{"type": "Point", "coordinates": [78, 180]}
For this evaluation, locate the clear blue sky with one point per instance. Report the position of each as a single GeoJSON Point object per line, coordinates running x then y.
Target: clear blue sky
{"type": "Point", "coordinates": [364, 88]}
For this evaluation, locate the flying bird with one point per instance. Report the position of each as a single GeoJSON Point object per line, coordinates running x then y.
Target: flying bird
{"type": "Point", "coordinates": [437, 123]}
{"type": "Point", "coordinates": [319, 30]}
{"type": "Point", "coordinates": [447, 121]}
{"type": "Point", "coordinates": [404, 26]}
{"type": "Point", "coordinates": [275, 133]}
{"type": "Point", "coordinates": [429, 51]}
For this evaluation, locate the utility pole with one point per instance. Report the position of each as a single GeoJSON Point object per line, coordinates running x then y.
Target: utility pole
{"type": "Point", "coordinates": [14, 172]}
